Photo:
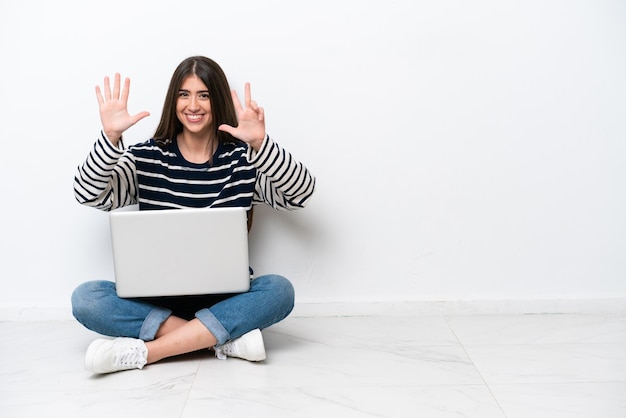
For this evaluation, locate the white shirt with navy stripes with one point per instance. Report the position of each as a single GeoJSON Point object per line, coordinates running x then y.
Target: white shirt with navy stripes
{"type": "Point", "coordinates": [160, 178]}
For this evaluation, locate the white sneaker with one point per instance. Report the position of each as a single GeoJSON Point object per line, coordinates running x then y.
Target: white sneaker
{"type": "Point", "coordinates": [107, 356]}
{"type": "Point", "coordinates": [248, 347]}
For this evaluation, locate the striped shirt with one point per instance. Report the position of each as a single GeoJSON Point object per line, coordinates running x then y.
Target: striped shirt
{"type": "Point", "coordinates": [160, 178]}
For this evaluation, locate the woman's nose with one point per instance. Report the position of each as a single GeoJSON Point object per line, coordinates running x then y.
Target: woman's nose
{"type": "Point", "coordinates": [193, 104]}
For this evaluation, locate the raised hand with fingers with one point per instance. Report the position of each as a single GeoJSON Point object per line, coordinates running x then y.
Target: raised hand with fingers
{"type": "Point", "coordinates": [251, 121]}
{"type": "Point", "coordinates": [114, 110]}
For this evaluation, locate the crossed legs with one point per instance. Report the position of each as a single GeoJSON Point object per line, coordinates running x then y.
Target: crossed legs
{"type": "Point", "coordinates": [166, 332]}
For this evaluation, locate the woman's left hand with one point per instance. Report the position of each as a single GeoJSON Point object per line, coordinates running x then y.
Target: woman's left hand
{"type": "Point", "coordinates": [251, 127]}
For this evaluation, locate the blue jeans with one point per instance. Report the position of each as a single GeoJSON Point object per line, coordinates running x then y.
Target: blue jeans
{"type": "Point", "coordinates": [95, 304]}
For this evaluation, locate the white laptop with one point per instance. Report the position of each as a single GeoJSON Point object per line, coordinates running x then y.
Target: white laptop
{"type": "Point", "coordinates": [177, 252]}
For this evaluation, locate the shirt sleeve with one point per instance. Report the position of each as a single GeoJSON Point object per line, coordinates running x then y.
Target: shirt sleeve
{"type": "Point", "coordinates": [107, 179]}
{"type": "Point", "coordinates": [282, 182]}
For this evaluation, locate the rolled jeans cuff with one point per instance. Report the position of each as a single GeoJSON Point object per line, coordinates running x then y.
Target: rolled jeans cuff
{"type": "Point", "coordinates": [213, 325]}
{"type": "Point", "coordinates": [153, 322]}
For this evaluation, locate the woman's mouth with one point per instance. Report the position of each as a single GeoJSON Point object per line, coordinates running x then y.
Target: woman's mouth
{"type": "Point", "coordinates": [194, 117]}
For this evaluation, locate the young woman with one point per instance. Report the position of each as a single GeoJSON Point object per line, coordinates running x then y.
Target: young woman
{"type": "Point", "coordinates": [209, 150]}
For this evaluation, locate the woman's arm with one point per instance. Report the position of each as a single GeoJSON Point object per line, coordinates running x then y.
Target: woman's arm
{"type": "Point", "coordinates": [282, 182]}
{"type": "Point", "coordinates": [107, 178]}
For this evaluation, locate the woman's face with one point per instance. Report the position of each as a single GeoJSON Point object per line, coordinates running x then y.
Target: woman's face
{"type": "Point", "coordinates": [193, 106]}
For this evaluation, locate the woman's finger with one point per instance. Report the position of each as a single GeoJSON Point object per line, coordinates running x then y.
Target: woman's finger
{"type": "Point", "coordinates": [99, 95]}
{"type": "Point", "coordinates": [116, 87]}
{"type": "Point", "coordinates": [236, 102]}
{"type": "Point", "coordinates": [126, 90]}
{"type": "Point", "coordinates": [248, 95]}
{"type": "Point", "coordinates": [107, 88]}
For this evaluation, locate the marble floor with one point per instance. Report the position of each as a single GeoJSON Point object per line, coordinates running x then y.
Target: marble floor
{"type": "Point", "coordinates": [527, 366]}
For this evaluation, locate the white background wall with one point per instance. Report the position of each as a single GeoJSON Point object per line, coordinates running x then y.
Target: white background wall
{"type": "Point", "coordinates": [463, 150]}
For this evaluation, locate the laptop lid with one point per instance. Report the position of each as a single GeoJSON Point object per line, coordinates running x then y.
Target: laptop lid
{"type": "Point", "coordinates": [176, 252]}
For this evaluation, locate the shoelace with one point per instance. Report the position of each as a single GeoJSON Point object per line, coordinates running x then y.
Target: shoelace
{"type": "Point", "coordinates": [223, 351]}
{"type": "Point", "coordinates": [130, 357]}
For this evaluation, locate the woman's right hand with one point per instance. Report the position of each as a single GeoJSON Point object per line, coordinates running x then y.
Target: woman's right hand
{"type": "Point", "coordinates": [113, 109]}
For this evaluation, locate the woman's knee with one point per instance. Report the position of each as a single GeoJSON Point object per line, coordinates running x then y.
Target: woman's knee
{"type": "Point", "coordinates": [87, 296]}
{"type": "Point", "coordinates": [279, 287]}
